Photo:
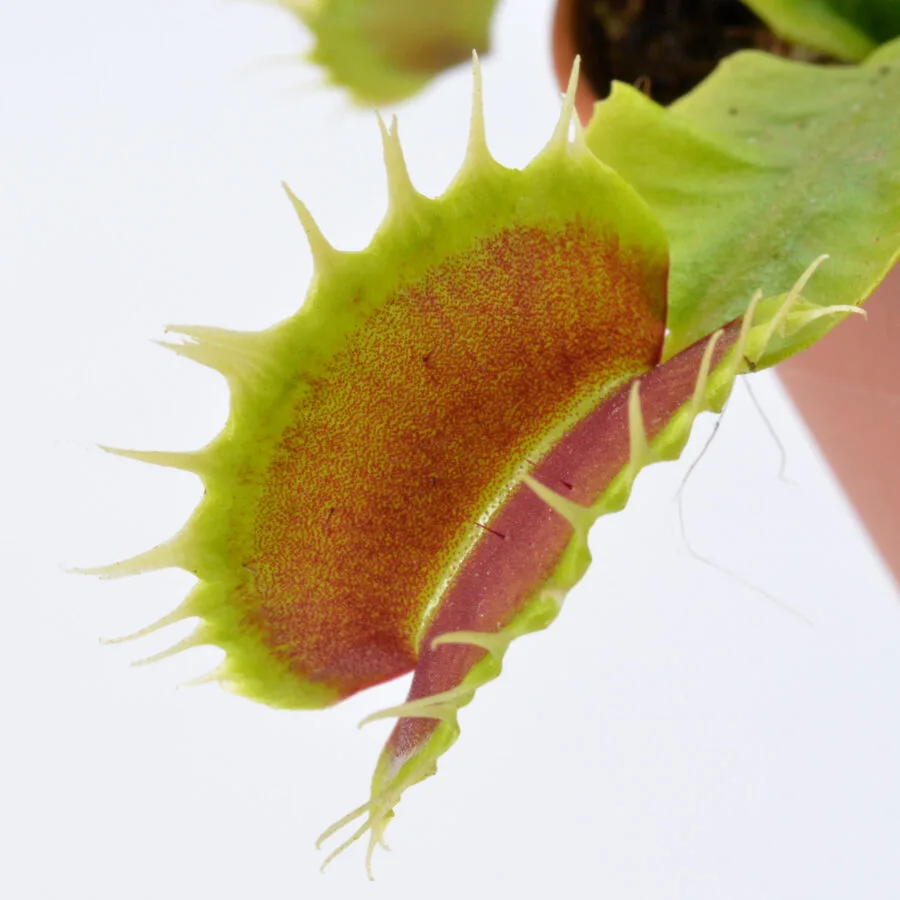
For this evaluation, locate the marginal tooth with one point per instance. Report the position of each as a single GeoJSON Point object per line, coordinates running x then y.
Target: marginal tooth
{"type": "Point", "coordinates": [441, 706]}
{"type": "Point", "coordinates": [798, 320]}
{"type": "Point", "coordinates": [197, 638]}
{"type": "Point", "coordinates": [169, 555]}
{"type": "Point", "coordinates": [188, 462]}
{"type": "Point", "coordinates": [698, 399]}
{"type": "Point", "coordinates": [230, 352]}
{"type": "Point", "coordinates": [494, 642]}
{"type": "Point", "coordinates": [780, 318]}
{"type": "Point", "coordinates": [209, 678]}
{"type": "Point", "coordinates": [323, 254]}
{"type": "Point", "coordinates": [341, 823]}
{"type": "Point", "coordinates": [738, 356]}
{"type": "Point", "coordinates": [477, 153]}
{"type": "Point", "coordinates": [350, 841]}
{"type": "Point", "coordinates": [401, 193]}
{"type": "Point", "coordinates": [209, 356]}
{"type": "Point", "coordinates": [240, 343]}
{"type": "Point", "coordinates": [375, 838]}
{"type": "Point", "coordinates": [185, 611]}
{"type": "Point", "coordinates": [639, 445]}
{"type": "Point", "coordinates": [579, 517]}
{"type": "Point", "coordinates": [579, 144]}
{"type": "Point", "coordinates": [560, 139]}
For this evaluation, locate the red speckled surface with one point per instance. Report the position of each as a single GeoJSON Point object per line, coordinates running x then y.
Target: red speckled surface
{"type": "Point", "coordinates": [420, 422]}
{"type": "Point", "coordinates": [501, 574]}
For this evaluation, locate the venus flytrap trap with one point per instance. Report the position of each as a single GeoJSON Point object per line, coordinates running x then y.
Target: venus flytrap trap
{"type": "Point", "coordinates": [382, 51]}
{"type": "Point", "coordinates": [412, 462]}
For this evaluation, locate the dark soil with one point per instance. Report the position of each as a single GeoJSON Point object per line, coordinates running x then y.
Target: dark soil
{"type": "Point", "coordinates": [666, 47]}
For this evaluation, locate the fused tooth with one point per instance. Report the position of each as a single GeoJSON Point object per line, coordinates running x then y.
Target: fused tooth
{"type": "Point", "coordinates": [211, 357]}
{"type": "Point", "coordinates": [560, 138]}
{"type": "Point", "coordinates": [401, 193]}
{"type": "Point", "coordinates": [323, 253]}
{"type": "Point", "coordinates": [238, 341]}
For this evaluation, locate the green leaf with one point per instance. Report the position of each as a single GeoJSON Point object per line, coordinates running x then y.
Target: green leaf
{"type": "Point", "coordinates": [846, 29]}
{"type": "Point", "coordinates": [766, 166]}
{"type": "Point", "coordinates": [382, 51]}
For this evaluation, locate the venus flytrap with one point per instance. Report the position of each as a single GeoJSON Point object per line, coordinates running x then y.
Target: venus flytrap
{"type": "Point", "coordinates": [413, 461]}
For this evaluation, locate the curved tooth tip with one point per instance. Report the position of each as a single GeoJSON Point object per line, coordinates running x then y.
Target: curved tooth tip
{"type": "Point", "coordinates": [188, 462]}
{"type": "Point", "coordinates": [640, 446]}
{"type": "Point", "coordinates": [351, 816]}
{"type": "Point", "coordinates": [349, 842]}
{"type": "Point", "coordinates": [212, 677]}
{"type": "Point", "coordinates": [477, 152]}
{"type": "Point", "coordinates": [401, 192]}
{"type": "Point", "coordinates": [560, 138]}
{"type": "Point", "coordinates": [177, 615]}
{"type": "Point", "coordinates": [747, 322]}
{"type": "Point", "coordinates": [777, 324]}
{"type": "Point", "coordinates": [494, 643]}
{"type": "Point", "coordinates": [164, 556]}
{"type": "Point", "coordinates": [244, 342]}
{"type": "Point", "coordinates": [322, 252]}
{"type": "Point", "coordinates": [199, 353]}
{"type": "Point", "coordinates": [194, 639]}
{"type": "Point", "coordinates": [579, 517]}
{"type": "Point", "coordinates": [698, 399]}
{"type": "Point", "coordinates": [233, 361]}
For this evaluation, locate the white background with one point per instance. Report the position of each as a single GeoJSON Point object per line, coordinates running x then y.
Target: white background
{"type": "Point", "coordinates": [673, 735]}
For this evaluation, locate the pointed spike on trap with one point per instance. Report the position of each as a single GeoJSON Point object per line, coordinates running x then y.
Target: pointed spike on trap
{"type": "Point", "coordinates": [477, 153]}
{"type": "Point", "coordinates": [494, 643]}
{"type": "Point", "coordinates": [435, 706]}
{"type": "Point", "coordinates": [179, 614]}
{"type": "Point", "coordinates": [214, 676]}
{"type": "Point", "coordinates": [351, 816]}
{"type": "Point", "coordinates": [401, 193]}
{"type": "Point", "coordinates": [197, 638]}
{"type": "Point", "coordinates": [640, 454]}
{"type": "Point", "coordinates": [323, 254]}
{"type": "Point", "coordinates": [187, 462]}
{"type": "Point", "coordinates": [207, 355]}
{"type": "Point", "coordinates": [168, 555]}
{"type": "Point", "coordinates": [376, 837]}
{"type": "Point", "coordinates": [738, 357]}
{"type": "Point", "coordinates": [559, 141]}
{"type": "Point", "coordinates": [780, 318]}
{"type": "Point", "coordinates": [581, 518]}
{"type": "Point", "coordinates": [800, 319]}
{"type": "Point", "coordinates": [698, 398]}
{"type": "Point", "coordinates": [248, 345]}
{"type": "Point", "coordinates": [348, 843]}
